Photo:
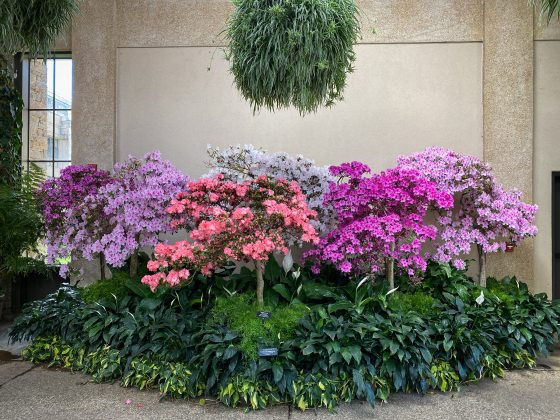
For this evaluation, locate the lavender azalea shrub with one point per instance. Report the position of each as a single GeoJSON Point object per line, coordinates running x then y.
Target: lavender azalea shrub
{"type": "Point", "coordinates": [90, 213]}
{"type": "Point", "coordinates": [135, 204]}
{"type": "Point", "coordinates": [487, 215]}
{"type": "Point", "coordinates": [244, 162]}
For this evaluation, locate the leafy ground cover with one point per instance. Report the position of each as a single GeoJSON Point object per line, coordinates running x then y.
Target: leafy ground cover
{"type": "Point", "coordinates": [337, 339]}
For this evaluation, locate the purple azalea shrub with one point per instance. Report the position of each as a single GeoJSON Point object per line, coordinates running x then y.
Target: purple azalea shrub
{"type": "Point", "coordinates": [73, 219]}
{"type": "Point", "coordinates": [380, 220]}
{"type": "Point", "coordinates": [487, 215]}
{"type": "Point", "coordinates": [135, 204]}
{"type": "Point", "coordinates": [89, 213]}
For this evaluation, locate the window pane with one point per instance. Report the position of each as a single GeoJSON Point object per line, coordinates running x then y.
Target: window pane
{"type": "Point", "coordinates": [59, 166]}
{"type": "Point", "coordinates": [63, 135]}
{"type": "Point", "coordinates": [63, 83]}
{"type": "Point", "coordinates": [41, 78]}
{"type": "Point", "coordinates": [46, 167]}
{"type": "Point", "coordinates": [40, 135]}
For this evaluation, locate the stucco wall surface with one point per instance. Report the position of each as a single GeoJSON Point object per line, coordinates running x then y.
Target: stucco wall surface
{"type": "Point", "coordinates": [400, 99]}
{"type": "Point", "coordinates": [170, 23]}
{"type": "Point", "coordinates": [547, 153]}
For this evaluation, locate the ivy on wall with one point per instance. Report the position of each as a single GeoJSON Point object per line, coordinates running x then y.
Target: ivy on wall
{"type": "Point", "coordinates": [11, 106]}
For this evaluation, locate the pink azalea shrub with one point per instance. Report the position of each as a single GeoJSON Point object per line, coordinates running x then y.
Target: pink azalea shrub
{"type": "Point", "coordinates": [380, 219]}
{"type": "Point", "coordinates": [135, 205]}
{"type": "Point", "coordinates": [74, 220]}
{"type": "Point", "coordinates": [487, 215]}
{"type": "Point", "coordinates": [242, 222]}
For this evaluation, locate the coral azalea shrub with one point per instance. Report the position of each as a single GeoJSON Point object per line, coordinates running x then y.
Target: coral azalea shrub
{"type": "Point", "coordinates": [232, 222]}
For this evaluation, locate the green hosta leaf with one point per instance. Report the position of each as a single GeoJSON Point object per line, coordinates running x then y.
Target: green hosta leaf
{"type": "Point", "coordinates": [346, 354]}
{"type": "Point", "coordinates": [426, 355]}
{"type": "Point", "coordinates": [278, 372]}
{"type": "Point", "coordinates": [356, 353]}
{"type": "Point", "coordinates": [282, 290]}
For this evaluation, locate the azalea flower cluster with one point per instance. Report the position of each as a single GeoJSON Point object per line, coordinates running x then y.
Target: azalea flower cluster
{"type": "Point", "coordinates": [487, 216]}
{"type": "Point", "coordinates": [241, 163]}
{"type": "Point", "coordinates": [241, 222]}
{"type": "Point", "coordinates": [59, 196]}
{"type": "Point", "coordinates": [135, 205]}
{"type": "Point", "coordinates": [380, 218]}
{"type": "Point", "coordinates": [73, 220]}
{"type": "Point", "coordinates": [90, 213]}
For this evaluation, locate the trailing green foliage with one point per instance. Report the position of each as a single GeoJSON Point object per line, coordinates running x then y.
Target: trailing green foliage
{"type": "Point", "coordinates": [34, 25]}
{"type": "Point", "coordinates": [549, 8]}
{"type": "Point", "coordinates": [239, 313]}
{"type": "Point", "coordinates": [292, 52]}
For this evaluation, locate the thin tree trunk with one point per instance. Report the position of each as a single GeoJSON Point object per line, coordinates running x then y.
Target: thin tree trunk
{"type": "Point", "coordinates": [391, 273]}
{"type": "Point", "coordinates": [134, 259]}
{"type": "Point", "coordinates": [260, 283]}
{"type": "Point", "coordinates": [391, 269]}
{"type": "Point", "coordinates": [481, 267]}
{"type": "Point", "coordinates": [102, 266]}
{"type": "Point", "coordinates": [134, 264]}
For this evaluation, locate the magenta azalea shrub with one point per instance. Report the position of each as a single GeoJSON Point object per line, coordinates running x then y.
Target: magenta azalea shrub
{"type": "Point", "coordinates": [135, 203]}
{"type": "Point", "coordinates": [380, 218]}
{"type": "Point", "coordinates": [487, 215]}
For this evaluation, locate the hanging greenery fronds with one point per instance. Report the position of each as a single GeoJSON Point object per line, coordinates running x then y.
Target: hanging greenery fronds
{"type": "Point", "coordinates": [32, 26]}
{"type": "Point", "coordinates": [292, 52]}
{"type": "Point", "coordinates": [549, 8]}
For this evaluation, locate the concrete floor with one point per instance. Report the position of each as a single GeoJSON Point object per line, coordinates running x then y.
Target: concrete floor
{"type": "Point", "coordinates": [30, 392]}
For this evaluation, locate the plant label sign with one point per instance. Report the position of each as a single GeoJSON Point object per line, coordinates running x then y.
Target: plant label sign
{"type": "Point", "coordinates": [264, 314]}
{"type": "Point", "coordinates": [268, 352]}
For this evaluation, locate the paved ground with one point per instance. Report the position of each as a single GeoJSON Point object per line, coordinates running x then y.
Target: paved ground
{"type": "Point", "coordinates": [30, 392]}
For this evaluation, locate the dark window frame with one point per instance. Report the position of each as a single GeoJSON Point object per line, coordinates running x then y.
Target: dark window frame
{"type": "Point", "coordinates": [20, 61]}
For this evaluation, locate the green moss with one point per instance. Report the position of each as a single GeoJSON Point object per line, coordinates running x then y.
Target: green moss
{"type": "Point", "coordinates": [104, 289]}
{"type": "Point", "coordinates": [418, 302]}
{"type": "Point", "coordinates": [240, 314]}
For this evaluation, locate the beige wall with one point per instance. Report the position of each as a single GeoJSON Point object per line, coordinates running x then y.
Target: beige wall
{"type": "Point", "coordinates": [547, 152]}
{"type": "Point", "coordinates": [400, 99]}
{"type": "Point", "coordinates": [458, 73]}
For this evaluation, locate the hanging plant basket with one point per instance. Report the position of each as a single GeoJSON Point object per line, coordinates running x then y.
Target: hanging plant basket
{"type": "Point", "coordinates": [292, 52]}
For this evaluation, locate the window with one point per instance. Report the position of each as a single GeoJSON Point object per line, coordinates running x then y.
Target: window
{"type": "Point", "coordinates": [47, 116]}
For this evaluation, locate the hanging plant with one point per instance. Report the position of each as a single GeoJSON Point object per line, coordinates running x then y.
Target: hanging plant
{"type": "Point", "coordinates": [292, 52]}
